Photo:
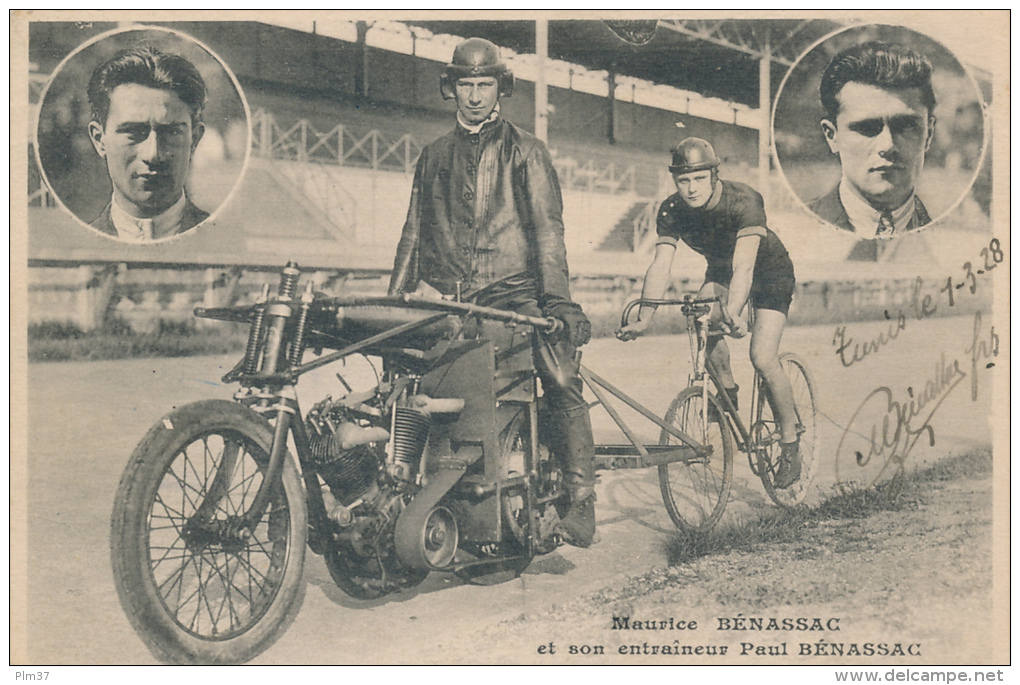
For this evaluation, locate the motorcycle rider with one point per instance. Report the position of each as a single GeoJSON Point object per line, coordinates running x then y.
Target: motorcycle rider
{"type": "Point", "coordinates": [724, 221]}
{"type": "Point", "coordinates": [485, 225]}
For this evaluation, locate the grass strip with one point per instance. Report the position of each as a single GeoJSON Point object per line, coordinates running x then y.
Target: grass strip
{"type": "Point", "coordinates": [773, 525]}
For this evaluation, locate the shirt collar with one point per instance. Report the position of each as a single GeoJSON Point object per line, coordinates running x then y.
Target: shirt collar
{"type": "Point", "coordinates": [716, 197]}
{"type": "Point", "coordinates": [138, 230]}
{"type": "Point", "coordinates": [864, 218]}
{"type": "Point", "coordinates": [476, 128]}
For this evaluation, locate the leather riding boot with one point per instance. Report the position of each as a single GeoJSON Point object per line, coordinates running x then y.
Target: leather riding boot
{"type": "Point", "coordinates": [578, 527]}
{"type": "Point", "coordinates": [577, 459]}
{"type": "Point", "coordinates": [576, 446]}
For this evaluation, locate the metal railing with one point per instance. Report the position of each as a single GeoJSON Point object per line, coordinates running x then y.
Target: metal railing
{"type": "Point", "coordinates": [303, 142]}
{"type": "Point", "coordinates": [341, 146]}
{"type": "Point", "coordinates": [594, 177]}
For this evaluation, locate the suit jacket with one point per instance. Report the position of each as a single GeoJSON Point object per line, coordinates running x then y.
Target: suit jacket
{"type": "Point", "coordinates": [830, 208]}
{"type": "Point", "coordinates": [191, 217]}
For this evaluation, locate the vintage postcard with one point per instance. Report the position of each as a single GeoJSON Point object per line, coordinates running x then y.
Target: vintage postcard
{"type": "Point", "coordinates": [516, 338]}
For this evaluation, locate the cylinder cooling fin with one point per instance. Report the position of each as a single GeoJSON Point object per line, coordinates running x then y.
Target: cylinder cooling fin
{"type": "Point", "coordinates": [410, 433]}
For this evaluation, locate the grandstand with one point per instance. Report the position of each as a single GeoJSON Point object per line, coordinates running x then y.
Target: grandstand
{"type": "Point", "coordinates": [338, 120]}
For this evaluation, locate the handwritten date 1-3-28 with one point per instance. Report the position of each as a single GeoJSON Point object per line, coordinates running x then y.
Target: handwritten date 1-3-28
{"type": "Point", "coordinates": [993, 256]}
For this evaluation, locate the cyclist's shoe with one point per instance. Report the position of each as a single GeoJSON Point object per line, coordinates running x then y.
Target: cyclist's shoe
{"type": "Point", "coordinates": [790, 463]}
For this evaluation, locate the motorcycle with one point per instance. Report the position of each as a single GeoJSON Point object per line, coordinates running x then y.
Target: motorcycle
{"type": "Point", "coordinates": [443, 465]}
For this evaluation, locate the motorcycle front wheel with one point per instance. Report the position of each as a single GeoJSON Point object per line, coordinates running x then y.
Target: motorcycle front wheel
{"type": "Point", "coordinates": [195, 586]}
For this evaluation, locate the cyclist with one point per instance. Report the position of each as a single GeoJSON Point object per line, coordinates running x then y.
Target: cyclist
{"type": "Point", "coordinates": [724, 221]}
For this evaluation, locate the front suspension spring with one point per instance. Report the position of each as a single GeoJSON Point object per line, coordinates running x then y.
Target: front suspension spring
{"type": "Point", "coordinates": [297, 347]}
{"type": "Point", "coordinates": [288, 280]}
{"type": "Point", "coordinates": [251, 351]}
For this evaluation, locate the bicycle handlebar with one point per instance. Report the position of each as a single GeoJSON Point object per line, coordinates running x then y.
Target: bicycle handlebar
{"type": "Point", "coordinates": [691, 306]}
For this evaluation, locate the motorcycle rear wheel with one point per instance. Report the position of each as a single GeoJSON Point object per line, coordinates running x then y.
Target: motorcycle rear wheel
{"type": "Point", "coordinates": [365, 578]}
{"type": "Point", "coordinates": [197, 594]}
{"type": "Point", "coordinates": [512, 555]}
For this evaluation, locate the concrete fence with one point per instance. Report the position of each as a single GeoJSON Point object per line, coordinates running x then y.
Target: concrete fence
{"type": "Point", "coordinates": [89, 296]}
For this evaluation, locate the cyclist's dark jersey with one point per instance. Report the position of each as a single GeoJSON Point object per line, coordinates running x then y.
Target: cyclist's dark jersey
{"type": "Point", "coordinates": [713, 234]}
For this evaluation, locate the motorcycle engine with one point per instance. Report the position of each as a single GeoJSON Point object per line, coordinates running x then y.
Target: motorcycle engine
{"type": "Point", "coordinates": [348, 450]}
{"type": "Point", "coordinates": [348, 473]}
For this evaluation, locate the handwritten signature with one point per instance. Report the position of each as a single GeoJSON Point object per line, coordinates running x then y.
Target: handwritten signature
{"type": "Point", "coordinates": [861, 350]}
{"type": "Point", "coordinates": [892, 427]}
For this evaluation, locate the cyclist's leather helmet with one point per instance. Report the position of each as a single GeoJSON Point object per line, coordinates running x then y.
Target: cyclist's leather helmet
{"type": "Point", "coordinates": [693, 154]}
{"type": "Point", "coordinates": [473, 58]}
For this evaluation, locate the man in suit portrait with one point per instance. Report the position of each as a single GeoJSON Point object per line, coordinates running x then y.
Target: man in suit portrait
{"type": "Point", "coordinates": [879, 106]}
{"type": "Point", "coordinates": [146, 124]}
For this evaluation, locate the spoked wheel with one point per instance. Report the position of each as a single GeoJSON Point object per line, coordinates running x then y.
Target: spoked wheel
{"type": "Point", "coordinates": [766, 435]}
{"type": "Point", "coordinates": [363, 578]}
{"type": "Point", "coordinates": [197, 585]}
{"type": "Point", "coordinates": [357, 577]}
{"type": "Point", "coordinates": [695, 491]}
{"type": "Point", "coordinates": [371, 569]}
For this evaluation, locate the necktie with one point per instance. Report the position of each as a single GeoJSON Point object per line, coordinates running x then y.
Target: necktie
{"type": "Point", "coordinates": [145, 226]}
{"type": "Point", "coordinates": [885, 225]}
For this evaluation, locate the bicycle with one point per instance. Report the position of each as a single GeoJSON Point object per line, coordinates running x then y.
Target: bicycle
{"type": "Point", "coordinates": [696, 491]}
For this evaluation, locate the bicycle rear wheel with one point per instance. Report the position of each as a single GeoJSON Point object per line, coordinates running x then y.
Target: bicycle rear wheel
{"type": "Point", "coordinates": [696, 491]}
{"type": "Point", "coordinates": [766, 435]}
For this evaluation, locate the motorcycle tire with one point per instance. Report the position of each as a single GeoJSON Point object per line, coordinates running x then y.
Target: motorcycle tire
{"type": "Point", "coordinates": [362, 579]}
{"type": "Point", "coordinates": [208, 598]}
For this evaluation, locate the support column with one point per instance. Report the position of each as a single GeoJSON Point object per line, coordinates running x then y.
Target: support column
{"type": "Point", "coordinates": [95, 295]}
{"type": "Point", "coordinates": [765, 111]}
{"type": "Point", "coordinates": [541, 87]}
{"type": "Point", "coordinates": [611, 106]}
{"type": "Point", "coordinates": [221, 286]}
{"type": "Point", "coordinates": [361, 69]}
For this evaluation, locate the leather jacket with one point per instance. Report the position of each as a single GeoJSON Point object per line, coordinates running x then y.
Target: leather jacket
{"type": "Point", "coordinates": [485, 210]}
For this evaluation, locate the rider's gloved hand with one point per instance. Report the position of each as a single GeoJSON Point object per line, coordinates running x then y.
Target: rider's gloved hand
{"type": "Point", "coordinates": [576, 327]}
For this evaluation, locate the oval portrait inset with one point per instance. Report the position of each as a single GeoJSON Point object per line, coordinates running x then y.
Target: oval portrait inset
{"type": "Point", "coordinates": [879, 130]}
{"type": "Point", "coordinates": [143, 134]}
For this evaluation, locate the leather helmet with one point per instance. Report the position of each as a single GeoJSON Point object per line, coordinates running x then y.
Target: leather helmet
{"type": "Point", "coordinates": [693, 154]}
{"type": "Point", "coordinates": [473, 58]}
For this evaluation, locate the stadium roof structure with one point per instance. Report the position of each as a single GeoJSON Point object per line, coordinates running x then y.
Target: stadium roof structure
{"type": "Point", "coordinates": [715, 58]}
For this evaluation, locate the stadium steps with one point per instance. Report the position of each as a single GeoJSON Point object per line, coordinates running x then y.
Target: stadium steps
{"type": "Point", "coordinates": [315, 189]}
{"type": "Point", "coordinates": [589, 217]}
{"type": "Point", "coordinates": [621, 237]}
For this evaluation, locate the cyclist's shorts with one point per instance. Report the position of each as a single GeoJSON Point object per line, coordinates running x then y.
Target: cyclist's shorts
{"type": "Point", "coordinates": [766, 293]}
{"type": "Point", "coordinates": [774, 294]}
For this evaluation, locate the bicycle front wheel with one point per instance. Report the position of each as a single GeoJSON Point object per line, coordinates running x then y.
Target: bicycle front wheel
{"type": "Point", "coordinates": [195, 587]}
{"type": "Point", "coordinates": [695, 491]}
{"type": "Point", "coordinates": [807, 419]}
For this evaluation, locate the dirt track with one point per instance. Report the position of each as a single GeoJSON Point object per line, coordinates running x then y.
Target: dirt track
{"type": "Point", "coordinates": [85, 419]}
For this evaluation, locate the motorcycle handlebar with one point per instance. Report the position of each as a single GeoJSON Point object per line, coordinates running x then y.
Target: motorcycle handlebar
{"type": "Point", "coordinates": [545, 324]}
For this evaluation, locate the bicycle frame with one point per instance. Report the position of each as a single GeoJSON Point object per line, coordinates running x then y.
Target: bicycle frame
{"type": "Point", "coordinates": [697, 311]}
{"type": "Point", "coordinates": [622, 456]}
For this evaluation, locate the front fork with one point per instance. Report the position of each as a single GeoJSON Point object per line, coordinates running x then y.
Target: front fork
{"type": "Point", "coordinates": [204, 527]}
{"type": "Point", "coordinates": [266, 352]}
